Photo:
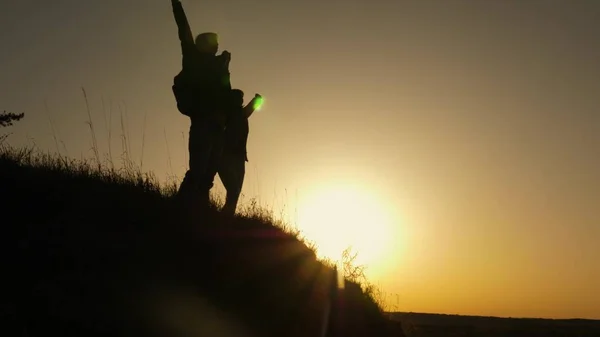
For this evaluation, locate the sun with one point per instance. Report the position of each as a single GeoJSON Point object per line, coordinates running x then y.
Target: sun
{"type": "Point", "coordinates": [336, 217]}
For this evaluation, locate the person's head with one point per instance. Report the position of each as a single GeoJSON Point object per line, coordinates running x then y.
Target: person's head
{"type": "Point", "coordinates": [208, 43]}
{"type": "Point", "coordinates": [237, 97]}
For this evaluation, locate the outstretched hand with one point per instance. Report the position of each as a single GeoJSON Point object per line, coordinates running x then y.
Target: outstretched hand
{"type": "Point", "coordinates": [257, 102]}
{"type": "Point", "coordinates": [254, 105]}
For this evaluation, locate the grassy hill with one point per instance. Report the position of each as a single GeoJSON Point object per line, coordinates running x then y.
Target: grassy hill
{"type": "Point", "coordinates": [90, 251]}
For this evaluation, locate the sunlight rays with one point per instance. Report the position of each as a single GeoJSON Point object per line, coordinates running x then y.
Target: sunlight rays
{"type": "Point", "coordinates": [335, 217]}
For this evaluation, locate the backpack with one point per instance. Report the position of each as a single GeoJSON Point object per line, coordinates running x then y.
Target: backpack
{"type": "Point", "coordinates": [182, 95]}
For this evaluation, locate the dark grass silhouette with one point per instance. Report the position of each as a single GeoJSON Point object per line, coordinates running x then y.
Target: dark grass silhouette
{"type": "Point", "coordinates": [88, 251]}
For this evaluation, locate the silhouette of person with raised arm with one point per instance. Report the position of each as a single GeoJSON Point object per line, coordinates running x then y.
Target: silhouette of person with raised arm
{"type": "Point", "coordinates": [232, 166]}
{"type": "Point", "coordinates": [202, 89]}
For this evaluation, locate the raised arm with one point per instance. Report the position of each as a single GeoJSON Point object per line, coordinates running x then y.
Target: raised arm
{"type": "Point", "coordinates": [254, 105]}
{"type": "Point", "coordinates": [185, 32]}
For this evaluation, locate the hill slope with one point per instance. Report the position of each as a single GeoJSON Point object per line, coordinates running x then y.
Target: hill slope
{"type": "Point", "coordinates": [93, 252]}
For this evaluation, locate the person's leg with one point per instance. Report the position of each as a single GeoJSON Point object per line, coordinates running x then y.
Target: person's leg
{"type": "Point", "coordinates": [194, 184]}
{"type": "Point", "coordinates": [234, 180]}
{"type": "Point", "coordinates": [240, 169]}
{"type": "Point", "coordinates": [226, 173]}
{"type": "Point", "coordinates": [214, 158]}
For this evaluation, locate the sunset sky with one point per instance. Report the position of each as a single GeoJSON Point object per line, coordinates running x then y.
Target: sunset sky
{"type": "Point", "coordinates": [460, 137]}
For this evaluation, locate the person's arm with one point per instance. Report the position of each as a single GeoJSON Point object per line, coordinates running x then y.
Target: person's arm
{"type": "Point", "coordinates": [223, 64]}
{"type": "Point", "coordinates": [254, 105]}
{"type": "Point", "coordinates": [185, 32]}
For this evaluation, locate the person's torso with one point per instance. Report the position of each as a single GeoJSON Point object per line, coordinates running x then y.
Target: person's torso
{"type": "Point", "coordinates": [236, 133]}
{"type": "Point", "coordinates": [206, 85]}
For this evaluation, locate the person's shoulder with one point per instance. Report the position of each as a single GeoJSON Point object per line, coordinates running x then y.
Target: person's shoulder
{"type": "Point", "coordinates": [190, 51]}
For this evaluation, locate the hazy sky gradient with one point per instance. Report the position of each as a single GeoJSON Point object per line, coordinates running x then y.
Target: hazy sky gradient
{"type": "Point", "coordinates": [478, 123]}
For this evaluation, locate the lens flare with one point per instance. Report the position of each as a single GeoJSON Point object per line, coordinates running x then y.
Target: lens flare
{"type": "Point", "coordinates": [258, 102]}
